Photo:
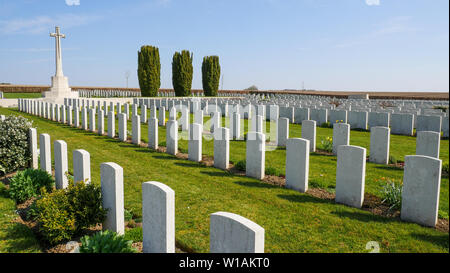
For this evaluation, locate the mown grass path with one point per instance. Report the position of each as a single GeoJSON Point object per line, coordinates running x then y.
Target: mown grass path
{"type": "Point", "coordinates": [14, 236]}
{"type": "Point", "coordinates": [294, 222]}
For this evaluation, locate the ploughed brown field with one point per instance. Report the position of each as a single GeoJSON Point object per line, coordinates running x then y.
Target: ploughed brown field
{"type": "Point", "coordinates": [338, 94]}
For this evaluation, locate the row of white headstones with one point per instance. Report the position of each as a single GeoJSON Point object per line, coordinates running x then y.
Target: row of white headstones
{"type": "Point", "coordinates": [229, 232]}
{"type": "Point", "coordinates": [421, 174]}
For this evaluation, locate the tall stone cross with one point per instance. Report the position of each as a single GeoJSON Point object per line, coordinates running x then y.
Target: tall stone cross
{"type": "Point", "coordinates": [60, 84]}
{"type": "Point", "coordinates": [58, 36]}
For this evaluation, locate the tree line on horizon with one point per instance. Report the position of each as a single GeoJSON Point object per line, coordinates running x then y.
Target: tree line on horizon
{"type": "Point", "coordinates": [149, 72]}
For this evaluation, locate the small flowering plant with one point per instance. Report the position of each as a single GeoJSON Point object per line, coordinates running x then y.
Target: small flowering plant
{"type": "Point", "coordinates": [327, 144]}
{"type": "Point", "coordinates": [391, 192]}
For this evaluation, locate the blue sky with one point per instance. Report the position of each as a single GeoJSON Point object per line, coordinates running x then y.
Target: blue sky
{"type": "Point", "coordinates": [370, 45]}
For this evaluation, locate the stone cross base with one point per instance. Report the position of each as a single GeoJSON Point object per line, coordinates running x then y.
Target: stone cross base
{"type": "Point", "coordinates": [59, 90]}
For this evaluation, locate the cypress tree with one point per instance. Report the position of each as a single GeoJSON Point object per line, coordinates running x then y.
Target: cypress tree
{"type": "Point", "coordinates": [149, 70]}
{"type": "Point", "coordinates": [210, 75]}
{"type": "Point", "coordinates": [182, 71]}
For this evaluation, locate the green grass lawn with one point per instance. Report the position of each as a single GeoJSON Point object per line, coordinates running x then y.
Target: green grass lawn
{"type": "Point", "coordinates": [14, 237]}
{"type": "Point", "coordinates": [322, 171]}
{"type": "Point", "coordinates": [293, 222]}
{"type": "Point", "coordinates": [22, 95]}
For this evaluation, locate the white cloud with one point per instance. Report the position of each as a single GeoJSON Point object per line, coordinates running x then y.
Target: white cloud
{"type": "Point", "coordinates": [42, 24]}
{"type": "Point", "coordinates": [373, 2]}
{"type": "Point", "coordinates": [73, 2]}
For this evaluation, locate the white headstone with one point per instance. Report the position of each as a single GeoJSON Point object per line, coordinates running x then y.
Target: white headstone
{"type": "Point", "coordinates": [61, 164]}
{"type": "Point", "coordinates": [282, 131]}
{"type": "Point", "coordinates": [421, 188]}
{"type": "Point", "coordinates": [111, 179]}
{"type": "Point", "coordinates": [32, 141]}
{"type": "Point", "coordinates": [158, 218]}
{"type": "Point", "coordinates": [428, 143]}
{"type": "Point", "coordinates": [379, 145]}
{"type": "Point", "coordinates": [172, 137]}
{"type": "Point", "coordinates": [123, 127]}
{"type": "Point", "coordinates": [350, 175]}
{"type": "Point", "coordinates": [309, 133]}
{"type": "Point", "coordinates": [232, 233]}
{"type": "Point", "coordinates": [111, 124]}
{"type": "Point", "coordinates": [136, 129]}
{"type": "Point", "coordinates": [81, 166]}
{"type": "Point", "coordinates": [221, 148]}
{"type": "Point", "coordinates": [195, 142]}
{"type": "Point", "coordinates": [153, 133]}
{"type": "Point", "coordinates": [45, 153]}
{"type": "Point", "coordinates": [297, 164]}
{"type": "Point", "coordinates": [341, 135]}
{"type": "Point", "coordinates": [255, 155]}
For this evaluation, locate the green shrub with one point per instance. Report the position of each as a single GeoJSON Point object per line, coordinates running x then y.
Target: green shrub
{"type": "Point", "coordinates": [391, 194]}
{"type": "Point", "coordinates": [14, 151]}
{"type": "Point", "coordinates": [66, 212]}
{"type": "Point", "coordinates": [182, 72]}
{"type": "Point", "coordinates": [210, 75]}
{"type": "Point", "coordinates": [21, 188]}
{"type": "Point", "coordinates": [55, 222]}
{"type": "Point", "coordinates": [149, 70]}
{"type": "Point", "coordinates": [241, 165]}
{"type": "Point", "coordinates": [85, 203]}
{"type": "Point", "coordinates": [106, 242]}
{"type": "Point", "coordinates": [28, 183]}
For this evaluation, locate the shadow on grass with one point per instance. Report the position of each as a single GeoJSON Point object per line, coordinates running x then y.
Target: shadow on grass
{"type": "Point", "coordinates": [4, 192]}
{"type": "Point", "coordinates": [389, 168]}
{"type": "Point", "coordinates": [364, 217]}
{"type": "Point", "coordinates": [304, 198]}
{"type": "Point", "coordinates": [113, 140]}
{"type": "Point", "coordinates": [145, 150]}
{"type": "Point", "coordinates": [319, 154]}
{"type": "Point", "coordinates": [256, 184]}
{"type": "Point", "coordinates": [166, 157]}
{"type": "Point", "coordinates": [130, 145]}
{"type": "Point", "coordinates": [190, 164]}
{"type": "Point", "coordinates": [439, 240]}
{"type": "Point", "coordinates": [216, 173]}
{"type": "Point", "coordinates": [20, 238]}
